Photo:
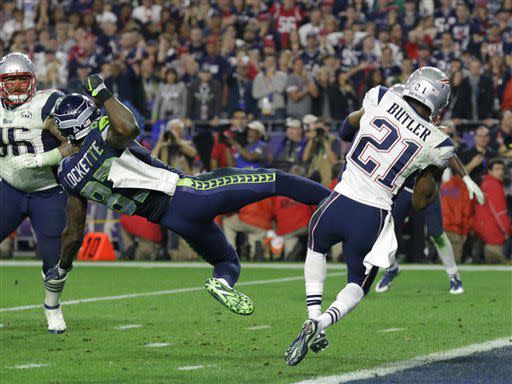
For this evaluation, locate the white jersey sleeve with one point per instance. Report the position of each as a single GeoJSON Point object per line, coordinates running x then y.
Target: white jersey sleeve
{"type": "Point", "coordinates": [22, 131]}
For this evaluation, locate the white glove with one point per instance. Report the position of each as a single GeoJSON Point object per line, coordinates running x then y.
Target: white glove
{"type": "Point", "coordinates": [26, 160]}
{"type": "Point", "coordinates": [473, 190]}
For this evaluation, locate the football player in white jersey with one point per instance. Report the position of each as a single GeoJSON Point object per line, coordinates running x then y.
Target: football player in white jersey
{"type": "Point", "coordinates": [26, 191]}
{"type": "Point", "coordinates": [394, 136]}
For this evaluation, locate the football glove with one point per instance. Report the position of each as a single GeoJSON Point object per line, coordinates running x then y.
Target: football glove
{"type": "Point", "coordinates": [56, 273]}
{"type": "Point", "coordinates": [93, 84]}
{"type": "Point", "coordinates": [474, 190]}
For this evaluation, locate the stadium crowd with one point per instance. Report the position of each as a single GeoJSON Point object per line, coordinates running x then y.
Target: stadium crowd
{"type": "Point", "coordinates": [263, 84]}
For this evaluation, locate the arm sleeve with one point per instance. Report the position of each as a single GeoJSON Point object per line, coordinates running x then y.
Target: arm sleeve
{"type": "Point", "coordinates": [50, 104]}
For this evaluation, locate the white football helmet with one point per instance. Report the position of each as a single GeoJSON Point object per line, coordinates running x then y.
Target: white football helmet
{"type": "Point", "coordinates": [431, 87]}
{"type": "Point", "coordinates": [17, 79]}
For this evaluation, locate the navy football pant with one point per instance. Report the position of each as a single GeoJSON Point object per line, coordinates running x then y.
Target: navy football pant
{"type": "Point", "coordinates": [355, 224]}
{"type": "Point", "coordinates": [199, 199]}
{"type": "Point", "coordinates": [47, 213]}
{"type": "Point", "coordinates": [432, 213]}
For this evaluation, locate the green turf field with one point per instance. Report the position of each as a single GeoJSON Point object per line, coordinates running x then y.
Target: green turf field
{"type": "Point", "coordinates": [209, 344]}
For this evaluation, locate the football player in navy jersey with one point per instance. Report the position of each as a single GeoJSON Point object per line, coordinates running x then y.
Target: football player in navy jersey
{"type": "Point", "coordinates": [113, 169]}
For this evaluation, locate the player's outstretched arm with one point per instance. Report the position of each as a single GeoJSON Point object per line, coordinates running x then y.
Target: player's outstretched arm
{"type": "Point", "coordinates": [350, 126]}
{"type": "Point", "coordinates": [73, 234]}
{"type": "Point", "coordinates": [426, 188]}
{"type": "Point", "coordinates": [123, 126]}
{"type": "Point", "coordinates": [474, 190]}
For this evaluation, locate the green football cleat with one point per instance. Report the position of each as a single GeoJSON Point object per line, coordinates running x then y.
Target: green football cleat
{"type": "Point", "coordinates": [235, 301]}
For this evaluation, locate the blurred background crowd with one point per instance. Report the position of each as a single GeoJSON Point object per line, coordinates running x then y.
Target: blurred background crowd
{"type": "Point", "coordinates": [265, 83]}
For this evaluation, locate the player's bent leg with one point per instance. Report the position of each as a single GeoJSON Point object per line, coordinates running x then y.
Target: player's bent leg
{"type": "Point", "coordinates": [47, 212]}
{"type": "Point", "coordinates": [401, 209]}
{"type": "Point", "coordinates": [11, 208]}
{"type": "Point", "coordinates": [211, 244]}
{"type": "Point", "coordinates": [300, 189]}
{"type": "Point", "coordinates": [434, 221]}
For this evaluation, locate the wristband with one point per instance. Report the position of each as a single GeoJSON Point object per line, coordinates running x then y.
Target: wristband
{"type": "Point", "coordinates": [49, 158]}
{"type": "Point", "coordinates": [102, 95]}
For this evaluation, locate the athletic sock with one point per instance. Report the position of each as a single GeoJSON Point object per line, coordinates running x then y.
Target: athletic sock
{"type": "Point", "coordinates": [346, 300]}
{"type": "Point", "coordinates": [315, 271]}
{"type": "Point", "coordinates": [393, 267]}
{"type": "Point", "coordinates": [445, 251]}
{"type": "Point", "coordinates": [53, 289]}
{"type": "Point", "coordinates": [223, 281]}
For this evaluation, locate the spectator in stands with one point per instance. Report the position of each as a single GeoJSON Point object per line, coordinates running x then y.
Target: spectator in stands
{"type": "Point", "coordinates": [75, 84]}
{"type": "Point", "coordinates": [310, 55]}
{"type": "Point", "coordinates": [268, 88]}
{"type": "Point", "coordinates": [292, 221]}
{"type": "Point", "coordinates": [491, 222]}
{"type": "Point", "coordinates": [320, 98]}
{"type": "Point", "coordinates": [482, 97]}
{"type": "Point", "coordinates": [389, 70]}
{"type": "Point", "coordinates": [255, 153]}
{"type": "Point", "coordinates": [204, 106]}
{"type": "Point", "coordinates": [446, 52]}
{"type": "Point", "coordinates": [300, 88]}
{"type": "Point", "coordinates": [290, 149]}
{"type": "Point", "coordinates": [218, 65]}
{"type": "Point", "coordinates": [171, 97]}
{"type": "Point", "coordinates": [476, 158]}
{"type": "Point", "coordinates": [222, 152]}
{"type": "Point", "coordinates": [140, 238]}
{"type": "Point", "coordinates": [322, 151]}
{"type": "Point", "coordinates": [503, 138]}
{"type": "Point", "coordinates": [457, 211]}
{"type": "Point", "coordinates": [461, 97]}
{"type": "Point", "coordinates": [240, 88]}
{"type": "Point", "coordinates": [147, 12]}
{"type": "Point", "coordinates": [172, 148]}
{"type": "Point", "coordinates": [342, 97]}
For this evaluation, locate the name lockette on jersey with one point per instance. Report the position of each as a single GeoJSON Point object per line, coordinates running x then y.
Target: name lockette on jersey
{"type": "Point", "coordinates": [76, 174]}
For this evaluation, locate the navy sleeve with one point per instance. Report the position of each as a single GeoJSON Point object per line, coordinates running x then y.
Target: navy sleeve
{"type": "Point", "coordinates": [446, 143]}
{"type": "Point", "coordinates": [50, 103]}
{"type": "Point", "coordinates": [346, 131]}
{"type": "Point", "coordinates": [382, 92]}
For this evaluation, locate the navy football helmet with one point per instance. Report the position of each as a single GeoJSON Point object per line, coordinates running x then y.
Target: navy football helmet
{"type": "Point", "coordinates": [74, 115]}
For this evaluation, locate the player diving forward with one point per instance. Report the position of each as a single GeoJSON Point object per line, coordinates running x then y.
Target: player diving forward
{"type": "Point", "coordinates": [31, 191]}
{"type": "Point", "coordinates": [112, 169]}
{"type": "Point", "coordinates": [394, 136]}
{"type": "Point", "coordinates": [434, 221]}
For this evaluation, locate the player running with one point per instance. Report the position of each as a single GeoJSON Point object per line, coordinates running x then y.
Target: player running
{"type": "Point", "coordinates": [113, 169]}
{"type": "Point", "coordinates": [31, 190]}
{"type": "Point", "coordinates": [394, 137]}
{"type": "Point", "coordinates": [434, 221]}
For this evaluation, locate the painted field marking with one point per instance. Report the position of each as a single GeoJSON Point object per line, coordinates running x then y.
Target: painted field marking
{"type": "Point", "coordinates": [258, 327]}
{"type": "Point", "coordinates": [191, 367]}
{"type": "Point", "coordinates": [28, 366]}
{"type": "Point", "coordinates": [1, 325]}
{"type": "Point", "coordinates": [157, 345]}
{"type": "Point", "coordinates": [160, 293]}
{"type": "Point", "coordinates": [128, 326]}
{"type": "Point", "coordinates": [246, 265]}
{"type": "Point", "coordinates": [418, 361]}
{"type": "Point", "coordinates": [392, 330]}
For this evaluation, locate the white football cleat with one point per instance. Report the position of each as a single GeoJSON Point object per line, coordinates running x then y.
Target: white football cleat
{"type": "Point", "coordinates": [55, 319]}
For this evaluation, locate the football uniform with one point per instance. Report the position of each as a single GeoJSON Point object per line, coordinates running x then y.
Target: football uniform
{"type": "Point", "coordinates": [22, 131]}
{"type": "Point", "coordinates": [132, 181]}
{"type": "Point", "coordinates": [31, 192]}
{"type": "Point", "coordinates": [392, 144]}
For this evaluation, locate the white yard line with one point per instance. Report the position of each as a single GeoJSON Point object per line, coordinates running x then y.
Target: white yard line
{"type": "Point", "coordinates": [160, 293]}
{"type": "Point", "coordinates": [128, 326]}
{"type": "Point", "coordinates": [28, 366]}
{"type": "Point", "coordinates": [258, 327]}
{"type": "Point", "coordinates": [277, 265]}
{"type": "Point", "coordinates": [391, 330]}
{"type": "Point", "coordinates": [157, 345]}
{"type": "Point", "coordinates": [191, 367]}
{"type": "Point", "coordinates": [418, 361]}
